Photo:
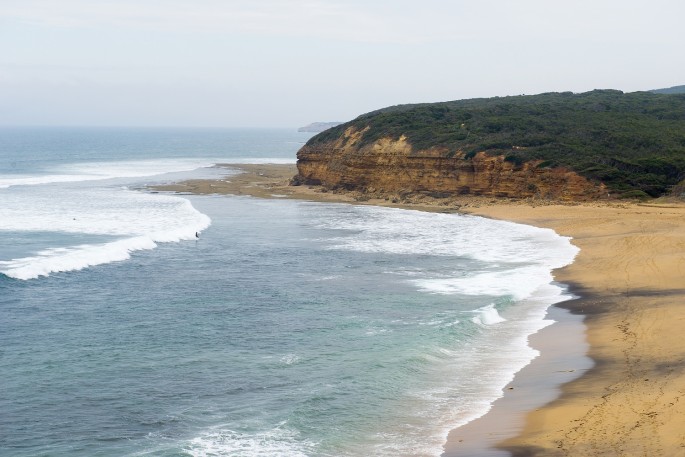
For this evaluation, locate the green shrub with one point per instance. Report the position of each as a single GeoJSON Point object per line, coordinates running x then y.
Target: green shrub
{"type": "Point", "coordinates": [635, 194]}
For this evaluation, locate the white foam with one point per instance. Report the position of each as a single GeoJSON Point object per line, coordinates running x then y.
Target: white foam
{"type": "Point", "coordinates": [99, 171]}
{"type": "Point", "coordinates": [517, 258]}
{"type": "Point", "coordinates": [375, 330]}
{"type": "Point", "coordinates": [73, 258]}
{"type": "Point", "coordinates": [290, 359]}
{"type": "Point", "coordinates": [278, 442]}
{"type": "Point", "coordinates": [101, 211]}
{"type": "Point", "coordinates": [135, 221]}
{"type": "Point", "coordinates": [516, 282]}
{"type": "Point", "coordinates": [397, 231]}
{"type": "Point", "coordinates": [95, 171]}
{"type": "Point", "coordinates": [487, 315]}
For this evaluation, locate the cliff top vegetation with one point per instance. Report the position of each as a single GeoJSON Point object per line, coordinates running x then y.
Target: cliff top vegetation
{"type": "Point", "coordinates": [633, 142]}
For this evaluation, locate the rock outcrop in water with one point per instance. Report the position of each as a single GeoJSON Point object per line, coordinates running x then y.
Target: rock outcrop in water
{"type": "Point", "coordinates": [387, 167]}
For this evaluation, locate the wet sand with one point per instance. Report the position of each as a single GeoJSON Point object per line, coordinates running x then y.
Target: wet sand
{"type": "Point", "coordinates": [630, 276]}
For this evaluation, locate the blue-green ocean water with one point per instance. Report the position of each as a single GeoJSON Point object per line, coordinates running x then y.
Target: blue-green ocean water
{"type": "Point", "coordinates": [287, 328]}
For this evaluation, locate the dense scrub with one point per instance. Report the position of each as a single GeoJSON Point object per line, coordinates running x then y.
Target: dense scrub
{"type": "Point", "coordinates": [634, 142]}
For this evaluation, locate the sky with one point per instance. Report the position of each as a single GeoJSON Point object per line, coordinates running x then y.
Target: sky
{"type": "Point", "coordinates": [286, 63]}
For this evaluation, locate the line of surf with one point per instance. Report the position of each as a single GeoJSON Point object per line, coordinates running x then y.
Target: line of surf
{"type": "Point", "coordinates": [74, 258]}
{"type": "Point", "coordinates": [133, 220]}
{"type": "Point", "coordinates": [513, 264]}
{"type": "Point", "coordinates": [97, 171]}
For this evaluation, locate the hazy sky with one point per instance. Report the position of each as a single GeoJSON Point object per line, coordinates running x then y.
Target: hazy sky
{"type": "Point", "coordinates": [272, 63]}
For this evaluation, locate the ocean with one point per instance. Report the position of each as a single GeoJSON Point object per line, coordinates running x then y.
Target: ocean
{"type": "Point", "coordinates": [288, 328]}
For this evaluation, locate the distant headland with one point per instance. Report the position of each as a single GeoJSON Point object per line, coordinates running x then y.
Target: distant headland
{"type": "Point", "coordinates": [318, 126]}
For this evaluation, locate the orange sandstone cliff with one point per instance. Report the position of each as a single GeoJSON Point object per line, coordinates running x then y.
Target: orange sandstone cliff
{"type": "Point", "coordinates": [388, 166]}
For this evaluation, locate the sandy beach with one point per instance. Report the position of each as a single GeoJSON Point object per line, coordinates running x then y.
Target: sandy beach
{"type": "Point", "coordinates": [630, 276]}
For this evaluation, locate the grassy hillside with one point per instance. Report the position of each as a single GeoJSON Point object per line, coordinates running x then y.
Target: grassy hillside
{"type": "Point", "coordinates": [634, 143]}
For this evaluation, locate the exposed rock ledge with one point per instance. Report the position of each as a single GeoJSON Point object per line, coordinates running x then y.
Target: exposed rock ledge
{"type": "Point", "coordinates": [388, 167]}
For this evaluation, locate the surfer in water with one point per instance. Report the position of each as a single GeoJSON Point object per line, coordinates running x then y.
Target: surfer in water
{"type": "Point", "coordinates": [197, 235]}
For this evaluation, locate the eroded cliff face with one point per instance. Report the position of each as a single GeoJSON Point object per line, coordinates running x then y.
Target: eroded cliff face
{"type": "Point", "coordinates": [391, 167]}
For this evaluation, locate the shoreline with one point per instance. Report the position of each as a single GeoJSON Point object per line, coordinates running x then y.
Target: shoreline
{"type": "Point", "coordinates": [630, 275]}
{"type": "Point", "coordinates": [533, 386]}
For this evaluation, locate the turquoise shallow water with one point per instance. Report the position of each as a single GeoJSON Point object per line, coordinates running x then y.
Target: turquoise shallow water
{"type": "Point", "coordinates": [288, 328]}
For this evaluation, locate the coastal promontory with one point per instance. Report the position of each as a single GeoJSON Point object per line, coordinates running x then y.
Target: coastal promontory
{"type": "Point", "coordinates": [564, 146]}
